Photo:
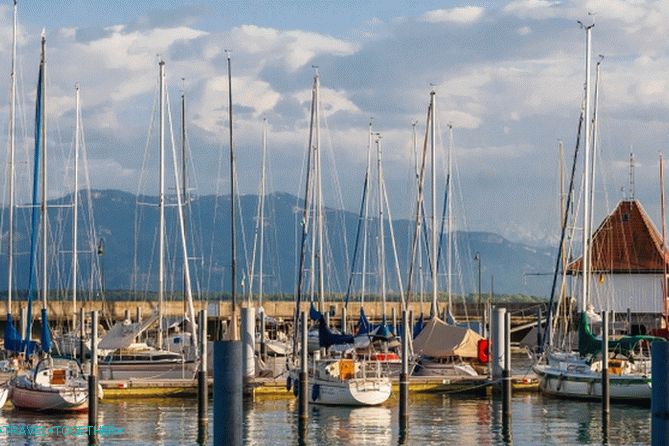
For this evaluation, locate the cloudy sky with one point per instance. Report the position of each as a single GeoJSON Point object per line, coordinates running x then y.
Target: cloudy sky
{"type": "Point", "coordinates": [508, 77]}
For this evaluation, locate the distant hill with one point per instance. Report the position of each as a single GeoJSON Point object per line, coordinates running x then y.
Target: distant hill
{"type": "Point", "coordinates": [128, 225]}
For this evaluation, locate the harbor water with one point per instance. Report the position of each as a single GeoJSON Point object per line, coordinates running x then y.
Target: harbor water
{"type": "Point", "coordinates": [433, 419]}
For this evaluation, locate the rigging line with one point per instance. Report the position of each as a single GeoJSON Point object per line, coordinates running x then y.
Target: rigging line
{"type": "Point", "coordinates": [546, 334]}
{"type": "Point", "coordinates": [419, 204]}
{"type": "Point", "coordinates": [357, 238]}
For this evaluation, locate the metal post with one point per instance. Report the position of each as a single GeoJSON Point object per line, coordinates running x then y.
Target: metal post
{"type": "Point", "coordinates": [629, 321]}
{"type": "Point", "coordinates": [659, 406]}
{"type": "Point", "coordinates": [138, 314]}
{"type": "Point", "coordinates": [228, 386]}
{"type": "Point", "coordinates": [343, 319]}
{"type": "Point", "coordinates": [93, 379]}
{"type": "Point", "coordinates": [605, 363]}
{"type": "Point", "coordinates": [202, 391]}
{"type": "Point", "coordinates": [126, 316]}
{"type": "Point", "coordinates": [404, 374]}
{"type": "Point", "coordinates": [393, 315]}
{"type": "Point", "coordinates": [506, 406]}
{"type": "Point", "coordinates": [303, 402]}
{"type": "Point", "coordinates": [82, 335]}
{"type": "Point", "coordinates": [498, 342]}
{"type": "Point", "coordinates": [263, 328]}
{"type": "Point", "coordinates": [248, 316]}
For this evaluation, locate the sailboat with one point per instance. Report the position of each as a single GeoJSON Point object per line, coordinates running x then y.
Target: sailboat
{"type": "Point", "coordinates": [129, 358]}
{"type": "Point", "coordinates": [343, 378]}
{"type": "Point", "coordinates": [444, 347]}
{"type": "Point", "coordinates": [577, 374]}
{"type": "Point", "coordinates": [53, 384]}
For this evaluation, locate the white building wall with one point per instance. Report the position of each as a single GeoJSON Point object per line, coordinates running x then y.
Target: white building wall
{"type": "Point", "coordinates": [641, 293]}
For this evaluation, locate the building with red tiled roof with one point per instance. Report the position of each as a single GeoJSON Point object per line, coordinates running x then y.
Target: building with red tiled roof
{"type": "Point", "coordinates": [627, 263]}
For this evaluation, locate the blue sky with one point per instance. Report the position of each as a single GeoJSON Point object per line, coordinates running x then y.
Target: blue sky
{"type": "Point", "coordinates": [508, 76]}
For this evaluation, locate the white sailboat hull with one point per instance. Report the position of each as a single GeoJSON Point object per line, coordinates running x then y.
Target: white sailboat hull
{"type": "Point", "coordinates": [4, 394]}
{"type": "Point", "coordinates": [588, 385]}
{"type": "Point", "coordinates": [354, 392]}
{"type": "Point", "coordinates": [59, 400]}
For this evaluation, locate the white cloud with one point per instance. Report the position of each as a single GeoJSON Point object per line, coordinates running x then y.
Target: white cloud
{"type": "Point", "coordinates": [462, 15]}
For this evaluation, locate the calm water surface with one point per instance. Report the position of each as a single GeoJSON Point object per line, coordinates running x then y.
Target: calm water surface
{"type": "Point", "coordinates": [434, 419]}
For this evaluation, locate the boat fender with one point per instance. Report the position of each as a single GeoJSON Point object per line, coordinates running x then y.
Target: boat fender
{"type": "Point", "coordinates": [315, 392]}
{"type": "Point", "coordinates": [288, 383]}
{"type": "Point", "coordinates": [483, 356]}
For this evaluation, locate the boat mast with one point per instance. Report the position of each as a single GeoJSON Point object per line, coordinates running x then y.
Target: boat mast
{"type": "Point", "coordinates": [664, 247]}
{"type": "Point", "coordinates": [449, 197]}
{"type": "Point", "coordinates": [184, 178]}
{"type": "Point", "coordinates": [261, 218]}
{"type": "Point", "coordinates": [12, 175]}
{"type": "Point", "coordinates": [363, 279]}
{"type": "Point", "coordinates": [161, 206]}
{"type": "Point", "coordinates": [319, 199]}
{"type": "Point", "coordinates": [233, 242]}
{"type": "Point", "coordinates": [421, 283]}
{"type": "Point", "coordinates": [433, 254]}
{"type": "Point", "coordinates": [381, 245]}
{"type": "Point", "coordinates": [44, 177]}
{"type": "Point", "coordinates": [75, 208]}
{"type": "Point", "coordinates": [586, 172]}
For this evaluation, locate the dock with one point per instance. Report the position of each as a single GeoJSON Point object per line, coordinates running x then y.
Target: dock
{"type": "Point", "coordinates": [275, 388]}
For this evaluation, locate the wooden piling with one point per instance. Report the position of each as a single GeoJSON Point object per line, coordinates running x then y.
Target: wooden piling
{"type": "Point", "coordinates": [93, 379]}
{"type": "Point", "coordinates": [303, 403]}
{"type": "Point", "coordinates": [605, 364]}
{"type": "Point", "coordinates": [659, 405]}
{"type": "Point", "coordinates": [404, 374]}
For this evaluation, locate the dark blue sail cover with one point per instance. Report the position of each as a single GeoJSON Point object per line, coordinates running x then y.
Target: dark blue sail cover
{"type": "Point", "coordinates": [45, 337]}
{"type": "Point", "coordinates": [363, 324]}
{"type": "Point", "coordinates": [382, 331]}
{"type": "Point", "coordinates": [314, 314]}
{"type": "Point", "coordinates": [12, 338]}
{"type": "Point", "coordinates": [327, 338]}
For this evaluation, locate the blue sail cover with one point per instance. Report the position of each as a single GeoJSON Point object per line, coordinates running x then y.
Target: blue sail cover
{"type": "Point", "coordinates": [363, 326]}
{"type": "Point", "coordinates": [418, 326]}
{"type": "Point", "coordinates": [327, 338]}
{"type": "Point", "coordinates": [27, 345]}
{"type": "Point", "coordinates": [382, 331]}
{"type": "Point", "coordinates": [12, 337]}
{"type": "Point", "coordinates": [314, 314]}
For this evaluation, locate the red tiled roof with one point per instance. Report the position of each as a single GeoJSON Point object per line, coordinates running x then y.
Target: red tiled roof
{"type": "Point", "coordinates": [625, 242]}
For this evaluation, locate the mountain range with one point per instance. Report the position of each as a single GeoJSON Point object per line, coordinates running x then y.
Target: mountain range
{"type": "Point", "coordinates": [118, 247]}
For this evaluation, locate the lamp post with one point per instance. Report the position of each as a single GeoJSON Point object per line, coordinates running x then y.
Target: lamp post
{"type": "Point", "coordinates": [477, 257]}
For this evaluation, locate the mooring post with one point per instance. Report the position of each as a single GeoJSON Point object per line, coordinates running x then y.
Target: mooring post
{"type": "Point", "coordinates": [404, 374]}
{"type": "Point", "coordinates": [303, 403]}
{"type": "Point", "coordinates": [393, 314]}
{"type": "Point", "coordinates": [498, 343]}
{"type": "Point", "coordinates": [248, 316]}
{"type": "Point", "coordinates": [343, 319]}
{"type": "Point", "coordinates": [629, 321]}
{"type": "Point", "coordinates": [93, 379]}
{"type": "Point", "coordinates": [263, 328]}
{"type": "Point", "coordinates": [506, 407]}
{"type": "Point", "coordinates": [228, 387]}
{"type": "Point", "coordinates": [126, 315]}
{"type": "Point", "coordinates": [82, 335]}
{"type": "Point", "coordinates": [659, 405]}
{"type": "Point", "coordinates": [202, 391]}
{"type": "Point", "coordinates": [138, 314]}
{"type": "Point", "coordinates": [605, 363]}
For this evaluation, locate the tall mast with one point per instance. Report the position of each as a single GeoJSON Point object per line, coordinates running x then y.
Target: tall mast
{"type": "Point", "coordinates": [664, 247]}
{"type": "Point", "coordinates": [433, 217]}
{"type": "Point", "coordinates": [262, 211]}
{"type": "Point", "coordinates": [421, 282]}
{"type": "Point", "coordinates": [44, 177]}
{"type": "Point", "coordinates": [184, 178]}
{"type": "Point", "coordinates": [75, 208]}
{"type": "Point", "coordinates": [233, 242]}
{"type": "Point", "coordinates": [319, 198]}
{"type": "Point", "coordinates": [381, 245]}
{"type": "Point", "coordinates": [161, 206]}
{"type": "Point", "coordinates": [449, 189]}
{"type": "Point", "coordinates": [363, 278]}
{"type": "Point", "coordinates": [12, 131]}
{"type": "Point", "coordinates": [586, 172]}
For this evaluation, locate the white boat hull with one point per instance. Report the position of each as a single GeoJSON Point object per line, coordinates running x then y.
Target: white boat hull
{"type": "Point", "coordinates": [355, 392]}
{"type": "Point", "coordinates": [70, 400]}
{"type": "Point", "coordinates": [588, 385]}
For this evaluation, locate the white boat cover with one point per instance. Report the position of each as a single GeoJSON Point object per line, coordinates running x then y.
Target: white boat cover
{"type": "Point", "coordinates": [439, 340]}
{"type": "Point", "coordinates": [122, 334]}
